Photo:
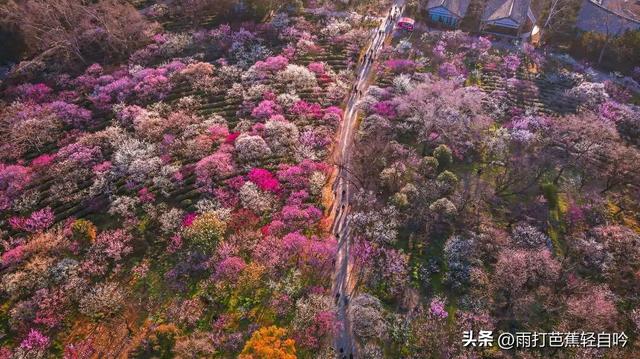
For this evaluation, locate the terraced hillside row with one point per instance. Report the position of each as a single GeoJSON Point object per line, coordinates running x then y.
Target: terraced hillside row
{"type": "Point", "coordinates": [531, 92]}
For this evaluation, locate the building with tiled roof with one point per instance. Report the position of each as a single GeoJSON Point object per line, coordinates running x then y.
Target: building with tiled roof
{"type": "Point", "coordinates": [516, 18]}
{"type": "Point", "coordinates": [609, 17]}
{"type": "Point", "coordinates": [447, 12]}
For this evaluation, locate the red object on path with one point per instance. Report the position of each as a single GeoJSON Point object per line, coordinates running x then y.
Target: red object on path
{"type": "Point", "coordinates": [406, 23]}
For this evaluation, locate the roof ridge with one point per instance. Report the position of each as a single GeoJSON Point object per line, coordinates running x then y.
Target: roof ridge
{"type": "Point", "coordinates": [613, 12]}
{"type": "Point", "coordinates": [511, 7]}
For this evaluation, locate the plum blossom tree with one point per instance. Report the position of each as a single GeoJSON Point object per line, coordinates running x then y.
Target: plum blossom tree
{"type": "Point", "coordinates": [595, 307]}
{"type": "Point", "coordinates": [392, 271]}
{"type": "Point", "coordinates": [589, 94]}
{"type": "Point", "coordinates": [254, 199]}
{"type": "Point", "coordinates": [298, 216]}
{"type": "Point", "coordinates": [510, 64]}
{"type": "Point", "coordinates": [246, 48]}
{"type": "Point", "coordinates": [595, 150]}
{"type": "Point", "coordinates": [29, 127]}
{"type": "Point", "coordinates": [71, 114]}
{"type": "Point", "coordinates": [265, 110]}
{"type": "Point", "coordinates": [264, 179]}
{"type": "Point", "coordinates": [37, 93]}
{"type": "Point", "coordinates": [528, 236]}
{"type": "Point", "coordinates": [136, 159]}
{"type": "Point", "coordinates": [449, 70]}
{"type": "Point", "coordinates": [306, 111]}
{"type": "Point", "coordinates": [229, 269]}
{"type": "Point", "coordinates": [272, 64]}
{"type": "Point", "coordinates": [13, 178]}
{"type": "Point", "coordinates": [34, 343]}
{"type": "Point", "coordinates": [449, 113]}
{"type": "Point", "coordinates": [103, 300]}
{"type": "Point", "coordinates": [611, 251]}
{"type": "Point", "coordinates": [205, 232]}
{"type": "Point", "coordinates": [402, 84]}
{"type": "Point", "coordinates": [200, 74]}
{"type": "Point", "coordinates": [214, 167]}
{"type": "Point", "coordinates": [114, 244]}
{"type": "Point", "coordinates": [281, 136]}
{"type": "Point", "coordinates": [297, 78]}
{"type": "Point", "coordinates": [398, 66]}
{"type": "Point", "coordinates": [250, 149]}
{"type": "Point", "coordinates": [437, 309]}
{"type": "Point", "coordinates": [368, 317]}
{"type": "Point", "coordinates": [378, 225]}
{"type": "Point", "coordinates": [37, 221]}
{"type": "Point", "coordinates": [458, 253]}
{"type": "Point", "coordinates": [520, 270]}
{"type": "Point", "coordinates": [314, 321]}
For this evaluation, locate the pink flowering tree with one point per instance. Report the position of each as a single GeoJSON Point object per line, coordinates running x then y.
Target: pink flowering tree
{"type": "Point", "coordinates": [71, 114]}
{"type": "Point", "coordinates": [306, 111]}
{"type": "Point", "coordinates": [437, 308]}
{"type": "Point", "coordinates": [35, 342]}
{"type": "Point", "coordinates": [36, 222]}
{"type": "Point", "coordinates": [115, 244]}
{"type": "Point", "coordinates": [265, 110]}
{"type": "Point", "coordinates": [510, 63]}
{"type": "Point", "coordinates": [31, 92]}
{"type": "Point", "coordinates": [13, 178]}
{"type": "Point", "coordinates": [449, 70]}
{"type": "Point", "coordinates": [297, 177]}
{"type": "Point", "coordinates": [385, 109]}
{"type": "Point", "coordinates": [272, 64]}
{"type": "Point", "coordinates": [229, 269]}
{"type": "Point", "coordinates": [30, 127]}
{"type": "Point", "coordinates": [397, 66]}
{"type": "Point", "coordinates": [315, 321]}
{"type": "Point", "coordinates": [264, 179]}
{"type": "Point", "coordinates": [213, 168]}
{"type": "Point", "coordinates": [312, 255]}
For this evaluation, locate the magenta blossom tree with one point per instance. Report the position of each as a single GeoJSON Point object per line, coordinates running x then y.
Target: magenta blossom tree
{"type": "Point", "coordinates": [264, 180]}
{"type": "Point", "coordinates": [36, 222]}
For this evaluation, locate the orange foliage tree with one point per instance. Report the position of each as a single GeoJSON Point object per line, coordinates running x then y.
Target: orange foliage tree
{"type": "Point", "coordinates": [269, 342]}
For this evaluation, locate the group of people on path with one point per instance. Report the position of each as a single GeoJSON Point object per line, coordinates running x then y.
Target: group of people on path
{"type": "Point", "coordinates": [372, 53]}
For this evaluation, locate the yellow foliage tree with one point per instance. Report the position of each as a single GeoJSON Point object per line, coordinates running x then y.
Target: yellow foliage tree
{"type": "Point", "coordinates": [206, 231]}
{"type": "Point", "coordinates": [83, 231]}
{"type": "Point", "coordinates": [269, 343]}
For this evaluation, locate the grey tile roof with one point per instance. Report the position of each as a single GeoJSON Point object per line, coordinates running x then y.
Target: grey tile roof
{"type": "Point", "coordinates": [500, 9]}
{"type": "Point", "coordinates": [605, 18]}
{"type": "Point", "coordinates": [458, 7]}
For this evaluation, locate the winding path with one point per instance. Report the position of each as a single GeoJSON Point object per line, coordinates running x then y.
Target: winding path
{"type": "Point", "coordinates": [343, 186]}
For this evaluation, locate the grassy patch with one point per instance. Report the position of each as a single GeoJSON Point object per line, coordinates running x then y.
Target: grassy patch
{"type": "Point", "coordinates": [555, 223]}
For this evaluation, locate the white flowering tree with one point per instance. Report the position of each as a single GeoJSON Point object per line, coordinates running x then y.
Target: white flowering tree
{"type": "Point", "coordinates": [297, 78]}
{"type": "Point", "coordinates": [251, 149]}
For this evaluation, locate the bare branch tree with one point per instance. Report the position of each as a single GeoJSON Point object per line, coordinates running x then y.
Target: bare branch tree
{"type": "Point", "coordinates": [75, 30]}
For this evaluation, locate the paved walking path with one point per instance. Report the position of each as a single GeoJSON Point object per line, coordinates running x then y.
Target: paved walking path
{"type": "Point", "coordinates": [344, 185]}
